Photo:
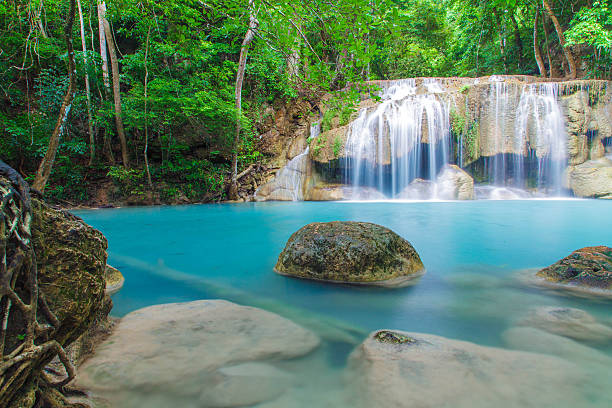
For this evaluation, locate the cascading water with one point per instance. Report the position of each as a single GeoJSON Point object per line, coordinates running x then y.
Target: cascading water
{"type": "Point", "coordinates": [291, 177]}
{"type": "Point", "coordinates": [289, 182]}
{"type": "Point", "coordinates": [540, 123]}
{"type": "Point", "coordinates": [522, 140]}
{"type": "Point", "coordinates": [407, 136]}
{"type": "Point", "coordinates": [524, 137]}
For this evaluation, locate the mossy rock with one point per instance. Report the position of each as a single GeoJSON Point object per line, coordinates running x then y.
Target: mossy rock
{"type": "Point", "coordinates": [350, 252]}
{"type": "Point", "coordinates": [114, 280]}
{"type": "Point", "coordinates": [589, 268]}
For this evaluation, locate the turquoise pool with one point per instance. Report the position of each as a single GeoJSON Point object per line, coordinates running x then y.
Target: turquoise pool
{"type": "Point", "coordinates": [476, 254]}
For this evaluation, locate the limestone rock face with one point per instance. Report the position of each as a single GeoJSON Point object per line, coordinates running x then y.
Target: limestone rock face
{"type": "Point", "coordinates": [589, 267]}
{"type": "Point", "coordinates": [592, 178]}
{"type": "Point", "coordinates": [399, 369]}
{"type": "Point", "coordinates": [568, 322]}
{"type": "Point", "coordinates": [455, 184]}
{"type": "Point", "coordinates": [327, 192]}
{"type": "Point", "coordinates": [350, 252]}
{"type": "Point", "coordinates": [210, 353]}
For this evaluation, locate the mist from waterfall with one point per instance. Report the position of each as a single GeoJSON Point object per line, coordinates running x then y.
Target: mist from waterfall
{"type": "Point", "coordinates": [406, 136]}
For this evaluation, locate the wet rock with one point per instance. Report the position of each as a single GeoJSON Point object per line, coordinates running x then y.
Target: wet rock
{"type": "Point", "coordinates": [589, 267]}
{"type": "Point", "coordinates": [418, 189]}
{"type": "Point", "coordinates": [195, 354]}
{"type": "Point", "coordinates": [71, 258]}
{"type": "Point", "coordinates": [244, 385]}
{"type": "Point", "coordinates": [423, 370]}
{"type": "Point", "coordinates": [70, 261]}
{"type": "Point", "coordinates": [592, 178]}
{"type": "Point", "coordinates": [327, 192]}
{"type": "Point", "coordinates": [454, 183]}
{"type": "Point", "coordinates": [568, 322]}
{"type": "Point", "coordinates": [539, 341]}
{"type": "Point", "coordinates": [350, 252]}
{"type": "Point", "coordinates": [114, 280]}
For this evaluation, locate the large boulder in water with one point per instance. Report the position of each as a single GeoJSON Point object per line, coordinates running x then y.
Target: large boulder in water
{"type": "Point", "coordinates": [350, 252]}
{"type": "Point", "coordinates": [403, 370]}
{"type": "Point", "coordinates": [589, 268]}
{"type": "Point", "coordinates": [208, 353]}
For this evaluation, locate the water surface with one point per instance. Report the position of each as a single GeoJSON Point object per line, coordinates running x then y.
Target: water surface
{"type": "Point", "coordinates": [474, 253]}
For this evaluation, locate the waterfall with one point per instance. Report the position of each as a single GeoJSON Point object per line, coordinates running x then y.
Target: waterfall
{"type": "Point", "coordinates": [405, 137]}
{"type": "Point", "coordinates": [291, 177]}
{"type": "Point", "coordinates": [525, 137]}
{"type": "Point", "coordinates": [288, 185]}
{"type": "Point", "coordinates": [540, 123]}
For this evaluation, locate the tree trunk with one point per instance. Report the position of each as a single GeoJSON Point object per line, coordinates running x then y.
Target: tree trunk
{"type": "Point", "coordinates": [248, 38]}
{"type": "Point", "coordinates": [518, 41]}
{"type": "Point", "coordinates": [552, 70]}
{"type": "Point", "coordinates": [46, 165]}
{"type": "Point", "coordinates": [116, 92]}
{"type": "Point", "coordinates": [146, 82]}
{"type": "Point", "coordinates": [92, 145]}
{"type": "Point", "coordinates": [566, 51]}
{"type": "Point", "coordinates": [502, 41]}
{"type": "Point", "coordinates": [536, 45]}
{"type": "Point", "coordinates": [101, 19]}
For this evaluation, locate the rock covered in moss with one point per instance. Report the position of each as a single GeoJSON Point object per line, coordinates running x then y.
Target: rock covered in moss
{"type": "Point", "coordinates": [350, 252]}
{"type": "Point", "coordinates": [114, 280]}
{"type": "Point", "coordinates": [70, 259]}
{"type": "Point", "coordinates": [589, 267]}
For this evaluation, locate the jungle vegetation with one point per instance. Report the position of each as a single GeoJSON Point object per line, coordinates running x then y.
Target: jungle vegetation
{"type": "Point", "coordinates": [167, 97]}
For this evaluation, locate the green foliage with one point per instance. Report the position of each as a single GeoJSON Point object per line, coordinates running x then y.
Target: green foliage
{"type": "Point", "coordinates": [337, 146]}
{"type": "Point", "coordinates": [592, 27]}
{"type": "Point", "coordinates": [190, 50]}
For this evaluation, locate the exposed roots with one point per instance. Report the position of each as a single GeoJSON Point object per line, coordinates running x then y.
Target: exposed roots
{"type": "Point", "coordinates": [24, 340]}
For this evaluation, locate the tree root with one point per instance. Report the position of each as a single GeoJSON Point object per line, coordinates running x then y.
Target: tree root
{"type": "Point", "coordinates": [21, 300]}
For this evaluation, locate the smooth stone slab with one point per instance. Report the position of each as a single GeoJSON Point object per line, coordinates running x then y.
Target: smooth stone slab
{"type": "Point", "coordinates": [181, 354]}
{"type": "Point", "coordinates": [400, 369]}
{"type": "Point", "coordinates": [568, 322]}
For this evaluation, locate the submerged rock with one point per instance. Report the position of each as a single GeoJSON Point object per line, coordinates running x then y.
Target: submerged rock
{"type": "Point", "coordinates": [203, 353]}
{"type": "Point", "coordinates": [350, 252]}
{"type": "Point", "coordinates": [539, 341]}
{"type": "Point", "coordinates": [423, 370]}
{"type": "Point", "coordinates": [568, 322]}
{"type": "Point", "coordinates": [589, 267]}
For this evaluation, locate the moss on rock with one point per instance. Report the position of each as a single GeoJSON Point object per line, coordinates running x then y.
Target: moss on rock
{"type": "Point", "coordinates": [350, 252]}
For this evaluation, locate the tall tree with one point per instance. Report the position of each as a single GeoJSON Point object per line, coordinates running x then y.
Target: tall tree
{"type": "Point", "coordinates": [92, 144]}
{"type": "Point", "coordinates": [244, 50]}
{"type": "Point", "coordinates": [102, 36]}
{"type": "Point", "coordinates": [536, 45]}
{"type": "Point", "coordinates": [46, 165]}
{"type": "Point", "coordinates": [571, 63]}
{"type": "Point", "coordinates": [116, 92]}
